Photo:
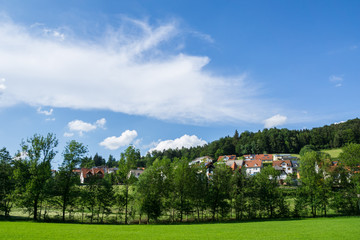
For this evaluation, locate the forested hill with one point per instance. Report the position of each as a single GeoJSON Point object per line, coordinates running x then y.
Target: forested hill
{"type": "Point", "coordinates": [272, 141]}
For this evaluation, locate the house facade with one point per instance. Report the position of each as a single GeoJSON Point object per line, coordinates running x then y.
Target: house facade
{"type": "Point", "coordinates": [252, 167]}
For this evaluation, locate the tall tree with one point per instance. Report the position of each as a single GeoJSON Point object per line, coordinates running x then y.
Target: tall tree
{"type": "Point", "coordinates": [66, 178]}
{"type": "Point", "coordinates": [219, 191]}
{"type": "Point", "coordinates": [238, 184]}
{"type": "Point", "coordinates": [98, 160]}
{"type": "Point", "coordinates": [111, 162]}
{"type": "Point", "coordinates": [183, 182]}
{"type": "Point", "coordinates": [313, 172]}
{"type": "Point", "coordinates": [128, 161]}
{"type": "Point", "coordinates": [39, 152]}
{"type": "Point", "coordinates": [350, 165]}
{"type": "Point", "coordinates": [7, 183]}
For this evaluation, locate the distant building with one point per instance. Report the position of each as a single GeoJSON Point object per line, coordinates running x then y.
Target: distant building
{"type": "Point", "coordinates": [226, 158]}
{"type": "Point", "coordinates": [249, 157]}
{"type": "Point", "coordinates": [201, 160]}
{"type": "Point", "coordinates": [235, 164]}
{"type": "Point", "coordinates": [136, 172]}
{"type": "Point", "coordinates": [253, 166]}
{"type": "Point", "coordinates": [86, 173]}
{"type": "Point", "coordinates": [207, 162]}
{"type": "Point", "coordinates": [285, 167]}
{"type": "Point", "coordinates": [264, 157]}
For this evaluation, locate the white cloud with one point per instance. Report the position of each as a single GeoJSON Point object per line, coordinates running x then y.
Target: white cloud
{"type": "Point", "coordinates": [128, 70]}
{"type": "Point", "coordinates": [50, 119]}
{"type": "Point", "coordinates": [185, 141]}
{"type": "Point", "coordinates": [67, 134]}
{"type": "Point", "coordinates": [125, 139]}
{"type": "Point", "coordinates": [81, 126]}
{"type": "Point", "coordinates": [2, 85]}
{"type": "Point", "coordinates": [101, 123]}
{"type": "Point", "coordinates": [44, 112]}
{"type": "Point", "coordinates": [275, 121]}
{"type": "Point", "coordinates": [337, 80]}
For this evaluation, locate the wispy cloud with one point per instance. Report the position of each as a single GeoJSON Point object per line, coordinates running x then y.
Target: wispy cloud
{"type": "Point", "coordinates": [44, 112]}
{"type": "Point", "coordinates": [68, 134]}
{"type": "Point", "coordinates": [336, 80]}
{"type": "Point", "coordinates": [80, 126]}
{"type": "Point", "coordinates": [127, 71]}
{"type": "Point", "coordinates": [114, 143]}
{"type": "Point", "coordinates": [185, 141]}
{"type": "Point", "coordinates": [354, 47]}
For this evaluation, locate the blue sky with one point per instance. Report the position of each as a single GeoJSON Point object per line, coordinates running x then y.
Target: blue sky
{"type": "Point", "coordinates": [159, 74]}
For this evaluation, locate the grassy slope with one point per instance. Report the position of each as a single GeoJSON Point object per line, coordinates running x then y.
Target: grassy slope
{"type": "Point", "coordinates": [321, 228]}
{"type": "Point", "coordinates": [334, 153]}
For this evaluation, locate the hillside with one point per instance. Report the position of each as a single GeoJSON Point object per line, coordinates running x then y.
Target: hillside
{"type": "Point", "coordinates": [272, 140]}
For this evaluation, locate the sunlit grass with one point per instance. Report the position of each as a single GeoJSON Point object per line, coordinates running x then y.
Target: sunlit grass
{"type": "Point", "coordinates": [321, 228]}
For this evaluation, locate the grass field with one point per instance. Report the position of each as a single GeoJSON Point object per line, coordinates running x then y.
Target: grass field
{"type": "Point", "coordinates": [320, 228]}
{"type": "Point", "coordinates": [334, 153]}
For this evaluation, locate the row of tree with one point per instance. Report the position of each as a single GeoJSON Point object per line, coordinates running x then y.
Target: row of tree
{"type": "Point", "coordinates": [171, 189]}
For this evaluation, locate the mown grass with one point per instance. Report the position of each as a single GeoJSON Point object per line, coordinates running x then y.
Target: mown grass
{"type": "Point", "coordinates": [320, 228]}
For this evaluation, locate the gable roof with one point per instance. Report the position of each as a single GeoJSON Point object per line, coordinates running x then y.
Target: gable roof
{"type": "Point", "coordinates": [264, 157]}
{"type": "Point", "coordinates": [235, 164]}
{"type": "Point", "coordinates": [279, 163]}
{"type": "Point", "coordinates": [253, 164]}
{"type": "Point", "coordinates": [92, 171]}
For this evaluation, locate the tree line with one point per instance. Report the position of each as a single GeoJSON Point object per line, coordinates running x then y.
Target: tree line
{"type": "Point", "coordinates": [170, 189]}
{"type": "Point", "coordinates": [271, 140]}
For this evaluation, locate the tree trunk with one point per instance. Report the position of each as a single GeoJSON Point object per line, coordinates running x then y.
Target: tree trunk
{"type": "Point", "coordinates": [126, 203]}
{"type": "Point", "coordinates": [35, 208]}
{"type": "Point", "coordinates": [63, 209]}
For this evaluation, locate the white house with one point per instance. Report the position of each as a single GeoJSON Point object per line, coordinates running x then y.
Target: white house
{"type": "Point", "coordinates": [253, 166]}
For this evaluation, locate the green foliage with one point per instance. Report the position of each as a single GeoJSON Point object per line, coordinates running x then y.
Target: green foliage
{"type": "Point", "coordinates": [307, 148]}
{"type": "Point", "coordinates": [219, 191]}
{"type": "Point", "coordinates": [7, 183]}
{"type": "Point", "coordinates": [66, 178]}
{"type": "Point", "coordinates": [40, 151]}
{"type": "Point", "coordinates": [271, 141]}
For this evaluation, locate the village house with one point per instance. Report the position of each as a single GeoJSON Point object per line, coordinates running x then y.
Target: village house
{"type": "Point", "coordinates": [205, 161]}
{"type": "Point", "coordinates": [201, 160]}
{"type": "Point", "coordinates": [226, 158]}
{"type": "Point", "coordinates": [253, 167]}
{"type": "Point", "coordinates": [285, 166]}
{"type": "Point", "coordinates": [235, 164]}
{"type": "Point", "coordinates": [86, 173]}
{"type": "Point", "coordinates": [136, 172]}
{"type": "Point", "coordinates": [249, 157]}
{"type": "Point", "coordinates": [265, 158]}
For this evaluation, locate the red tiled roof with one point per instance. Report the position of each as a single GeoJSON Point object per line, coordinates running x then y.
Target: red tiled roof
{"type": "Point", "coordinates": [92, 171]}
{"type": "Point", "coordinates": [279, 162]}
{"type": "Point", "coordinates": [263, 157]}
{"type": "Point", "coordinates": [253, 163]}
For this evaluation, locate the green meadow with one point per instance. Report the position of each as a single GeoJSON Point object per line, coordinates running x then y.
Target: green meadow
{"type": "Point", "coordinates": [318, 228]}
